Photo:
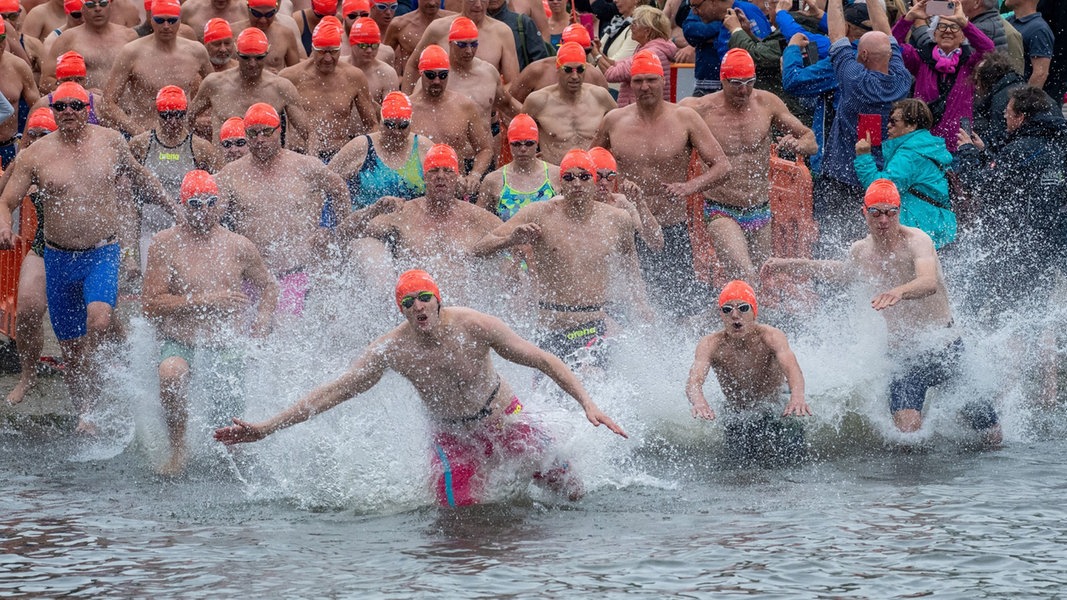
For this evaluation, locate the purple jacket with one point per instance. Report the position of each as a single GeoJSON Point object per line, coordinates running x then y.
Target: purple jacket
{"type": "Point", "coordinates": [960, 100]}
{"type": "Point", "coordinates": [620, 71]}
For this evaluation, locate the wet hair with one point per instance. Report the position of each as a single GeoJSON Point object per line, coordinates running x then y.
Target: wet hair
{"type": "Point", "coordinates": [914, 112]}
{"type": "Point", "coordinates": [991, 69]}
{"type": "Point", "coordinates": [1030, 101]}
{"type": "Point", "coordinates": [653, 19]}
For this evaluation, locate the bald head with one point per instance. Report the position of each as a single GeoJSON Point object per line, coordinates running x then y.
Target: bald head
{"type": "Point", "coordinates": [874, 51]}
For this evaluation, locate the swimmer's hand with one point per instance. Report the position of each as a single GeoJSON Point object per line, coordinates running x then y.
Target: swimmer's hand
{"type": "Point", "coordinates": [525, 234]}
{"type": "Point", "coordinates": [885, 300]}
{"type": "Point", "coordinates": [227, 299]}
{"type": "Point", "coordinates": [240, 432]}
{"type": "Point", "coordinates": [797, 408]}
{"type": "Point", "coordinates": [788, 143]}
{"type": "Point", "coordinates": [388, 204]}
{"type": "Point", "coordinates": [703, 411]}
{"type": "Point", "coordinates": [598, 418]}
{"type": "Point", "coordinates": [7, 238]}
{"type": "Point", "coordinates": [680, 189]}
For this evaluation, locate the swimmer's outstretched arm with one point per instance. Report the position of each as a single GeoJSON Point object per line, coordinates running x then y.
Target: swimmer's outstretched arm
{"type": "Point", "coordinates": [794, 377]}
{"type": "Point", "coordinates": [829, 270]}
{"type": "Point", "coordinates": [698, 374]}
{"type": "Point", "coordinates": [362, 376]}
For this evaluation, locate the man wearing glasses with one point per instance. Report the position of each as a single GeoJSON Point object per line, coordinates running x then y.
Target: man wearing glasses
{"type": "Point", "coordinates": [77, 171]}
{"type": "Point", "coordinates": [285, 48]}
{"type": "Point", "coordinates": [194, 294]}
{"type": "Point", "coordinates": [477, 418]}
{"type": "Point", "coordinates": [332, 93]}
{"type": "Point", "coordinates": [197, 13]}
{"type": "Point", "coordinates": [568, 112]}
{"type": "Point", "coordinates": [365, 40]}
{"type": "Point", "coordinates": [406, 30]}
{"type": "Point", "coordinates": [752, 362]}
{"type": "Point", "coordinates": [737, 208]}
{"type": "Point", "coordinates": [146, 65]}
{"type": "Point", "coordinates": [232, 140]}
{"type": "Point", "coordinates": [97, 39]}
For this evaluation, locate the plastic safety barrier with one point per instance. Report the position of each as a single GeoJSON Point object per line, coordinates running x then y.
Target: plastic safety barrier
{"type": "Point", "coordinates": [11, 265]}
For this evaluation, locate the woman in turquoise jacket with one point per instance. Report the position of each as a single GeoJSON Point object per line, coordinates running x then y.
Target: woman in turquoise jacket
{"type": "Point", "coordinates": [916, 161]}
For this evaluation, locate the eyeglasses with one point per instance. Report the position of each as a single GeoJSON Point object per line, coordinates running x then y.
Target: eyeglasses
{"type": "Point", "coordinates": [431, 75]}
{"type": "Point", "coordinates": [95, 3]}
{"type": "Point", "coordinates": [579, 68]}
{"type": "Point", "coordinates": [383, 7]}
{"type": "Point", "coordinates": [333, 51]}
{"type": "Point", "coordinates": [74, 105]}
{"type": "Point", "coordinates": [409, 301]}
{"type": "Point", "coordinates": [948, 27]}
{"type": "Point", "coordinates": [740, 83]}
{"type": "Point", "coordinates": [526, 143]}
{"type": "Point", "coordinates": [606, 175]}
{"type": "Point", "coordinates": [208, 202]}
{"type": "Point", "coordinates": [366, 46]}
{"type": "Point", "coordinates": [395, 124]}
{"type": "Point", "coordinates": [3, 37]}
{"type": "Point", "coordinates": [356, 15]}
{"type": "Point", "coordinates": [877, 212]}
{"type": "Point", "coordinates": [76, 15]}
{"type": "Point", "coordinates": [251, 56]}
{"type": "Point", "coordinates": [254, 133]}
{"type": "Point", "coordinates": [263, 15]}
{"type": "Point", "coordinates": [741, 308]}
{"type": "Point", "coordinates": [167, 20]}
{"type": "Point", "coordinates": [11, 16]}
{"type": "Point", "coordinates": [239, 142]}
{"type": "Point", "coordinates": [465, 45]}
{"type": "Point", "coordinates": [572, 176]}
{"type": "Point", "coordinates": [172, 114]}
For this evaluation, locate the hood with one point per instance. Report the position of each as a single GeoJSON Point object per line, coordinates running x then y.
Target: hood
{"type": "Point", "coordinates": [920, 141]}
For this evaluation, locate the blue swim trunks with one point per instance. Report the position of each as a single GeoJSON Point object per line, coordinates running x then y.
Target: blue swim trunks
{"type": "Point", "coordinates": [908, 388]}
{"type": "Point", "coordinates": [73, 279]}
{"type": "Point", "coordinates": [750, 219]}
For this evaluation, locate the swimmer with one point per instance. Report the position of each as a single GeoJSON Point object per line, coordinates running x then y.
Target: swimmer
{"type": "Point", "coordinates": [83, 218]}
{"type": "Point", "coordinates": [42, 19]}
{"type": "Point", "coordinates": [232, 140]}
{"type": "Point", "coordinates": [365, 40]}
{"type": "Point", "coordinates": [570, 111]}
{"type": "Point", "coordinates": [737, 208]}
{"type": "Point", "coordinates": [16, 83]}
{"type": "Point", "coordinates": [70, 66]}
{"type": "Point", "coordinates": [607, 184]}
{"type": "Point", "coordinates": [220, 45]}
{"type": "Point", "coordinates": [544, 72]}
{"type": "Point", "coordinates": [193, 294]}
{"type": "Point", "coordinates": [352, 11]}
{"type": "Point", "coordinates": [406, 30]}
{"type": "Point", "coordinates": [285, 49]}
{"type": "Point", "coordinates": [751, 361]}
{"type": "Point", "coordinates": [579, 247]}
{"type": "Point", "coordinates": [525, 179]}
{"type": "Point", "coordinates": [144, 28]}
{"type": "Point", "coordinates": [334, 94]}
{"type": "Point", "coordinates": [197, 13]}
{"type": "Point", "coordinates": [308, 18]}
{"type": "Point", "coordinates": [924, 341]}
{"type": "Point", "coordinates": [445, 354]}
{"type": "Point", "coordinates": [73, 8]}
{"type": "Point", "coordinates": [98, 40]}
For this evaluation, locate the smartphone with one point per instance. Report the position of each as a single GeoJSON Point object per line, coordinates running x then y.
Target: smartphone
{"type": "Point", "coordinates": [871, 125]}
{"type": "Point", "coordinates": [940, 8]}
{"type": "Point", "coordinates": [965, 124]}
{"type": "Point", "coordinates": [796, 6]}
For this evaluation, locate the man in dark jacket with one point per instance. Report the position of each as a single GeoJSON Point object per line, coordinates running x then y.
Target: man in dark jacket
{"type": "Point", "coordinates": [529, 45]}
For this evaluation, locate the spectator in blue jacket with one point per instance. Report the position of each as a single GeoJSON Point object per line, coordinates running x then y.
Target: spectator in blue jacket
{"type": "Point", "coordinates": [704, 31]}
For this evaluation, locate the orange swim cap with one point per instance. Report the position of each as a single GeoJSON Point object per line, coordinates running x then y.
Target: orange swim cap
{"type": "Point", "coordinates": [646, 63]}
{"type": "Point", "coordinates": [234, 127]}
{"type": "Point", "coordinates": [324, 7]}
{"type": "Point", "coordinates": [42, 118]}
{"type": "Point", "coordinates": [881, 191]}
{"type": "Point", "coordinates": [327, 34]}
{"type": "Point", "coordinates": [522, 128]}
{"type": "Point", "coordinates": [441, 156]}
{"type": "Point", "coordinates": [462, 29]}
{"type": "Point", "coordinates": [365, 31]}
{"type": "Point", "coordinates": [252, 41]}
{"type": "Point", "coordinates": [171, 97]}
{"type": "Point", "coordinates": [396, 106]}
{"type": "Point", "coordinates": [262, 3]}
{"type": "Point", "coordinates": [578, 159]}
{"type": "Point", "coordinates": [737, 64]}
{"type": "Point", "coordinates": [603, 159]}
{"type": "Point", "coordinates": [70, 64]}
{"type": "Point", "coordinates": [570, 53]}
{"type": "Point", "coordinates": [217, 29]}
{"type": "Point", "coordinates": [9, 6]}
{"type": "Point", "coordinates": [70, 6]}
{"type": "Point", "coordinates": [262, 114]}
{"type": "Point", "coordinates": [738, 290]}
{"type": "Point", "coordinates": [166, 8]}
{"type": "Point", "coordinates": [3, 26]}
{"type": "Point", "coordinates": [433, 58]}
{"type": "Point", "coordinates": [413, 282]}
{"type": "Point", "coordinates": [578, 34]}
{"type": "Point", "coordinates": [350, 6]}
{"type": "Point", "coordinates": [197, 183]}
{"type": "Point", "coordinates": [68, 90]}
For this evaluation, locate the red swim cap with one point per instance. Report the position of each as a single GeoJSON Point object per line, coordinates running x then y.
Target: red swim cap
{"type": "Point", "coordinates": [3, 26]}
{"type": "Point", "coordinates": [603, 159]}
{"type": "Point", "coordinates": [234, 127]}
{"type": "Point", "coordinates": [68, 90]}
{"type": "Point", "coordinates": [9, 6]}
{"type": "Point", "coordinates": [441, 156]}
{"type": "Point", "coordinates": [171, 97]}
{"type": "Point", "coordinates": [166, 8]}
{"type": "Point", "coordinates": [252, 41]}
{"type": "Point", "coordinates": [324, 7]}
{"type": "Point", "coordinates": [365, 31]}
{"type": "Point", "coordinates": [197, 183]}
{"type": "Point", "coordinates": [578, 159]}
{"type": "Point", "coordinates": [737, 64]}
{"type": "Point", "coordinates": [577, 33]}
{"type": "Point", "coordinates": [70, 64]}
{"type": "Point", "coordinates": [396, 106]}
{"type": "Point", "coordinates": [327, 34]}
{"type": "Point", "coordinates": [70, 6]}
{"type": "Point", "coordinates": [522, 128]}
{"type": "Point", "coordinates": [350, 6]}
{"type": "Point", "coordinates": [570, 53]}
{"type": "Point", "coordinates": [881, 191]}
{"type": "Point", "coordinates": [462, 29]}
{"type": "Point", "coordinates": [217, 29]}
{"type": "Point", "coordinates": [646, 63]}
{"type": "Point", "coordinates": [433, 58]}
{"type": "Point", "coordinates": [262, 114]}
{"type": "Point", "coordinates": [42, 118]}
{"type": "Point", "coordinates": [738, 290]}
{"type": "Point", "coordinates": [415, 281]}
{"type": "Point", "coordinates": [262, 3]}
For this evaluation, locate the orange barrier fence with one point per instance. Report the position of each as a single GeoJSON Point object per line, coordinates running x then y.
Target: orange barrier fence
{"type": "Point", "coordinates": [11, 265]}
{"type": "Point", "coordinates": [673, 81]}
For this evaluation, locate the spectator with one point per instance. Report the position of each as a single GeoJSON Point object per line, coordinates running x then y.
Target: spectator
{"type": "Point", "coordinates": [994, 80]}
{"type": "Point", "coordinates": [529, 46]}
{"type": "Point", "coordinates": [985, 15]}
{"type": "Point", "coordinates": [651, 30]}
{"type": "Point", "coordinates": [616, 40]}
{"type": "Point", "coordinates": [1038, 40]}
{"type": "Point", "coordinates": [704, 31]}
